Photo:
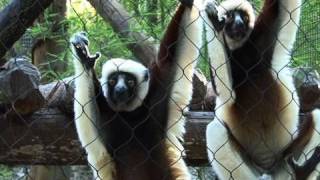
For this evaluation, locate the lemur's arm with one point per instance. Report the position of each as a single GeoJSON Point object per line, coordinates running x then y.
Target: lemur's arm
{"type": "Point", "coordinates": [277, 26]}
{"type": "Point", "coordinates": [86, 111]}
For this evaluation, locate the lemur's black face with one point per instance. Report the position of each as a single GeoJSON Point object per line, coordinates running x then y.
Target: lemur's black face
{"type": "Point", "coordinates": [122, 87]}
{"type": "Point", "coordinates": [237, 24]}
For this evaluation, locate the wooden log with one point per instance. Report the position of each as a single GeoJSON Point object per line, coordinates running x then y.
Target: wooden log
{"type": "Point", "coordinates": [16, 18]}
{"type": "Point", "coordinates": [199, 82]}
{"type": "Point", "coordinates": [19, 81]}
{"type": "Point", "coordinates": [48, 136]}
{"type": "Point", "coordinates": [120, 20]}
{"type": "Point", "coordinates": [195, 141]}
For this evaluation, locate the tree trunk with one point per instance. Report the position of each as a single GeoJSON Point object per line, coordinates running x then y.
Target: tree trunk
{"type": "Point", "coordinates": [15, 19]}
{"type": "Point", "coordinates": [50, 53]}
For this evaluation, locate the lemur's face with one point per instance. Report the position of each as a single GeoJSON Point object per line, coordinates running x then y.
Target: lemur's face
{"type": "Point", "coordinates": [237, 24]}
{"type": "Point", "coordinates": [125, 84]}
{"type": "Point", "coordinates": [122, 87]}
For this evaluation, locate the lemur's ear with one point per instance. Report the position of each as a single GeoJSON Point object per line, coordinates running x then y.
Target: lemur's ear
{"type": "Point", "coordinates": [187, 3]}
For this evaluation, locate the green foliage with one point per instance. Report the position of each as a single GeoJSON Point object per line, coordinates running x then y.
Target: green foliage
{"type": "Point", "coordinates": [307, 47]}
{"type": "Point", "coordinates": [153, 23]}
{"type": "Point", "coordinates": [101, 35]}
{"type": "Point", "coordinates": [3, 3]}
{"type": "Point", "coordinates": [5, 172]}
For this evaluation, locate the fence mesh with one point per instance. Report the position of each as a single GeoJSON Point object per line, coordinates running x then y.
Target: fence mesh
{"type": "Point", "coordinates": [38, 139]}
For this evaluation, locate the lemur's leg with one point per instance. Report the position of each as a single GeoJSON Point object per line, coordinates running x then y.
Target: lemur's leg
{"type": "Point", "coordinates": [175, 155]}
{"type": "Point", "coordinates": [307, 166]}
{"type": "Point", "coordinates": [224, 157]}
{"type": "Point", "coordinates": [86, 111]}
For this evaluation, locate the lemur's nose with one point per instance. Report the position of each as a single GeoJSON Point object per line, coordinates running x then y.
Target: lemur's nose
{"type": "Point", "coordinates": [238, 22]}
{"type": "Point", "coordinates": [120, 90]}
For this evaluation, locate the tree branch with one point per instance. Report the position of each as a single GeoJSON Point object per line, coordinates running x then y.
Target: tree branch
{"type": "Point", "coordinates": [120, 20]}
{"type": "Point", "coordinates": [16, 18]}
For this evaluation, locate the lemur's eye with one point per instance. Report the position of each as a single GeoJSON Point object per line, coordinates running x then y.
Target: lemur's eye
{"type": "Point", "coordinates": [112, 82]}
{"type": "Point", "coordinates": [131, 83]}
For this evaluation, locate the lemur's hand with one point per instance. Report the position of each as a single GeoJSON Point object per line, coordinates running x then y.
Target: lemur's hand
{"type": "Point", "coordinates": [211, 7]}
{"type": "Point", "coordinates": [79, 43]}
{"type": "Point", "coordinates": [187, 3]}
{"type": "Point", "coordinates": [212, 10]}
{"type": "Point", "coordinates": [303, 171]}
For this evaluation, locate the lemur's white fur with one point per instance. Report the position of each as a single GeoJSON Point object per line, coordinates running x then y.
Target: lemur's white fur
{"type": "Point", "coordinates": [227, 161]}
{"type": "Point", "coordinates": [189, 44]}
{"type": "Point", "coordinates": [219, 63]}
{"type": "Point", "coordinates": [86, 113]}
{"type": "Point", "coordinates": [217, 51]}
{"type": "Point", "coordinates": [244, 5]}
{"type": "Point", "coordinates": [129, 66]}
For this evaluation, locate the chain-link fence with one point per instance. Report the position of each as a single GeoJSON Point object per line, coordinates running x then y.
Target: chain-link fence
{"type": "Point", "coordinates": [39, 141]}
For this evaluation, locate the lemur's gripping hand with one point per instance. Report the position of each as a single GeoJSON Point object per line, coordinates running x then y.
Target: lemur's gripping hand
{"type": "Point", "coordinates": [303, 171]}
{"type": "Point", "coordinates": [211, 8]}
{"type": "Point", "coordinates": [79, 43]}
{"type": "Point", "coordinates": [187, 3]}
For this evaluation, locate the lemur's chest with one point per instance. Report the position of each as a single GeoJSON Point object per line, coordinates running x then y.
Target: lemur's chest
{"type": "Point", "coordinates": [264, 147]}
{"type": "Point", "coordinates": [132, 130]}
{"type": "Point", "coordinates": [262, 129]}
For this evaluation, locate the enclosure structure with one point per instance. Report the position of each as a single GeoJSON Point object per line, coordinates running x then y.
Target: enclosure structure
{"type": "Point", "coordinates": [36, 113]}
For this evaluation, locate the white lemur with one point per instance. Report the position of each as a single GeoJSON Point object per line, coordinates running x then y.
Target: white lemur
{"type": "Point", "coordinates": [130, 122]}
{"type": "Point", "coordinates": [257, 125]}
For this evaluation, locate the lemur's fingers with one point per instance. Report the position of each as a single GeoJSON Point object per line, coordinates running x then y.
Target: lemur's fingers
{"type": "Point", "coordinates": [211, 8]}
{"type": "Point", "coordinates": [97, 56]}
{"type": "Point", "coordinates": [304, 170]}
{"type": "Point", "coordinates": [80, 44]}
{"type": "Point", "coordinates": [84, 35]}
{"type": "Point", "coordinates": [187, 3]}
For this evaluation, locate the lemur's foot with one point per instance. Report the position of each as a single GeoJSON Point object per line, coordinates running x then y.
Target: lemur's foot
{"type": "Point", "coordinates": [79, 43]}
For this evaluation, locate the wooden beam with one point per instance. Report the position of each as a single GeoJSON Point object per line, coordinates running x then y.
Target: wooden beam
{"type": "Point", "coordinates": [49, 137]}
